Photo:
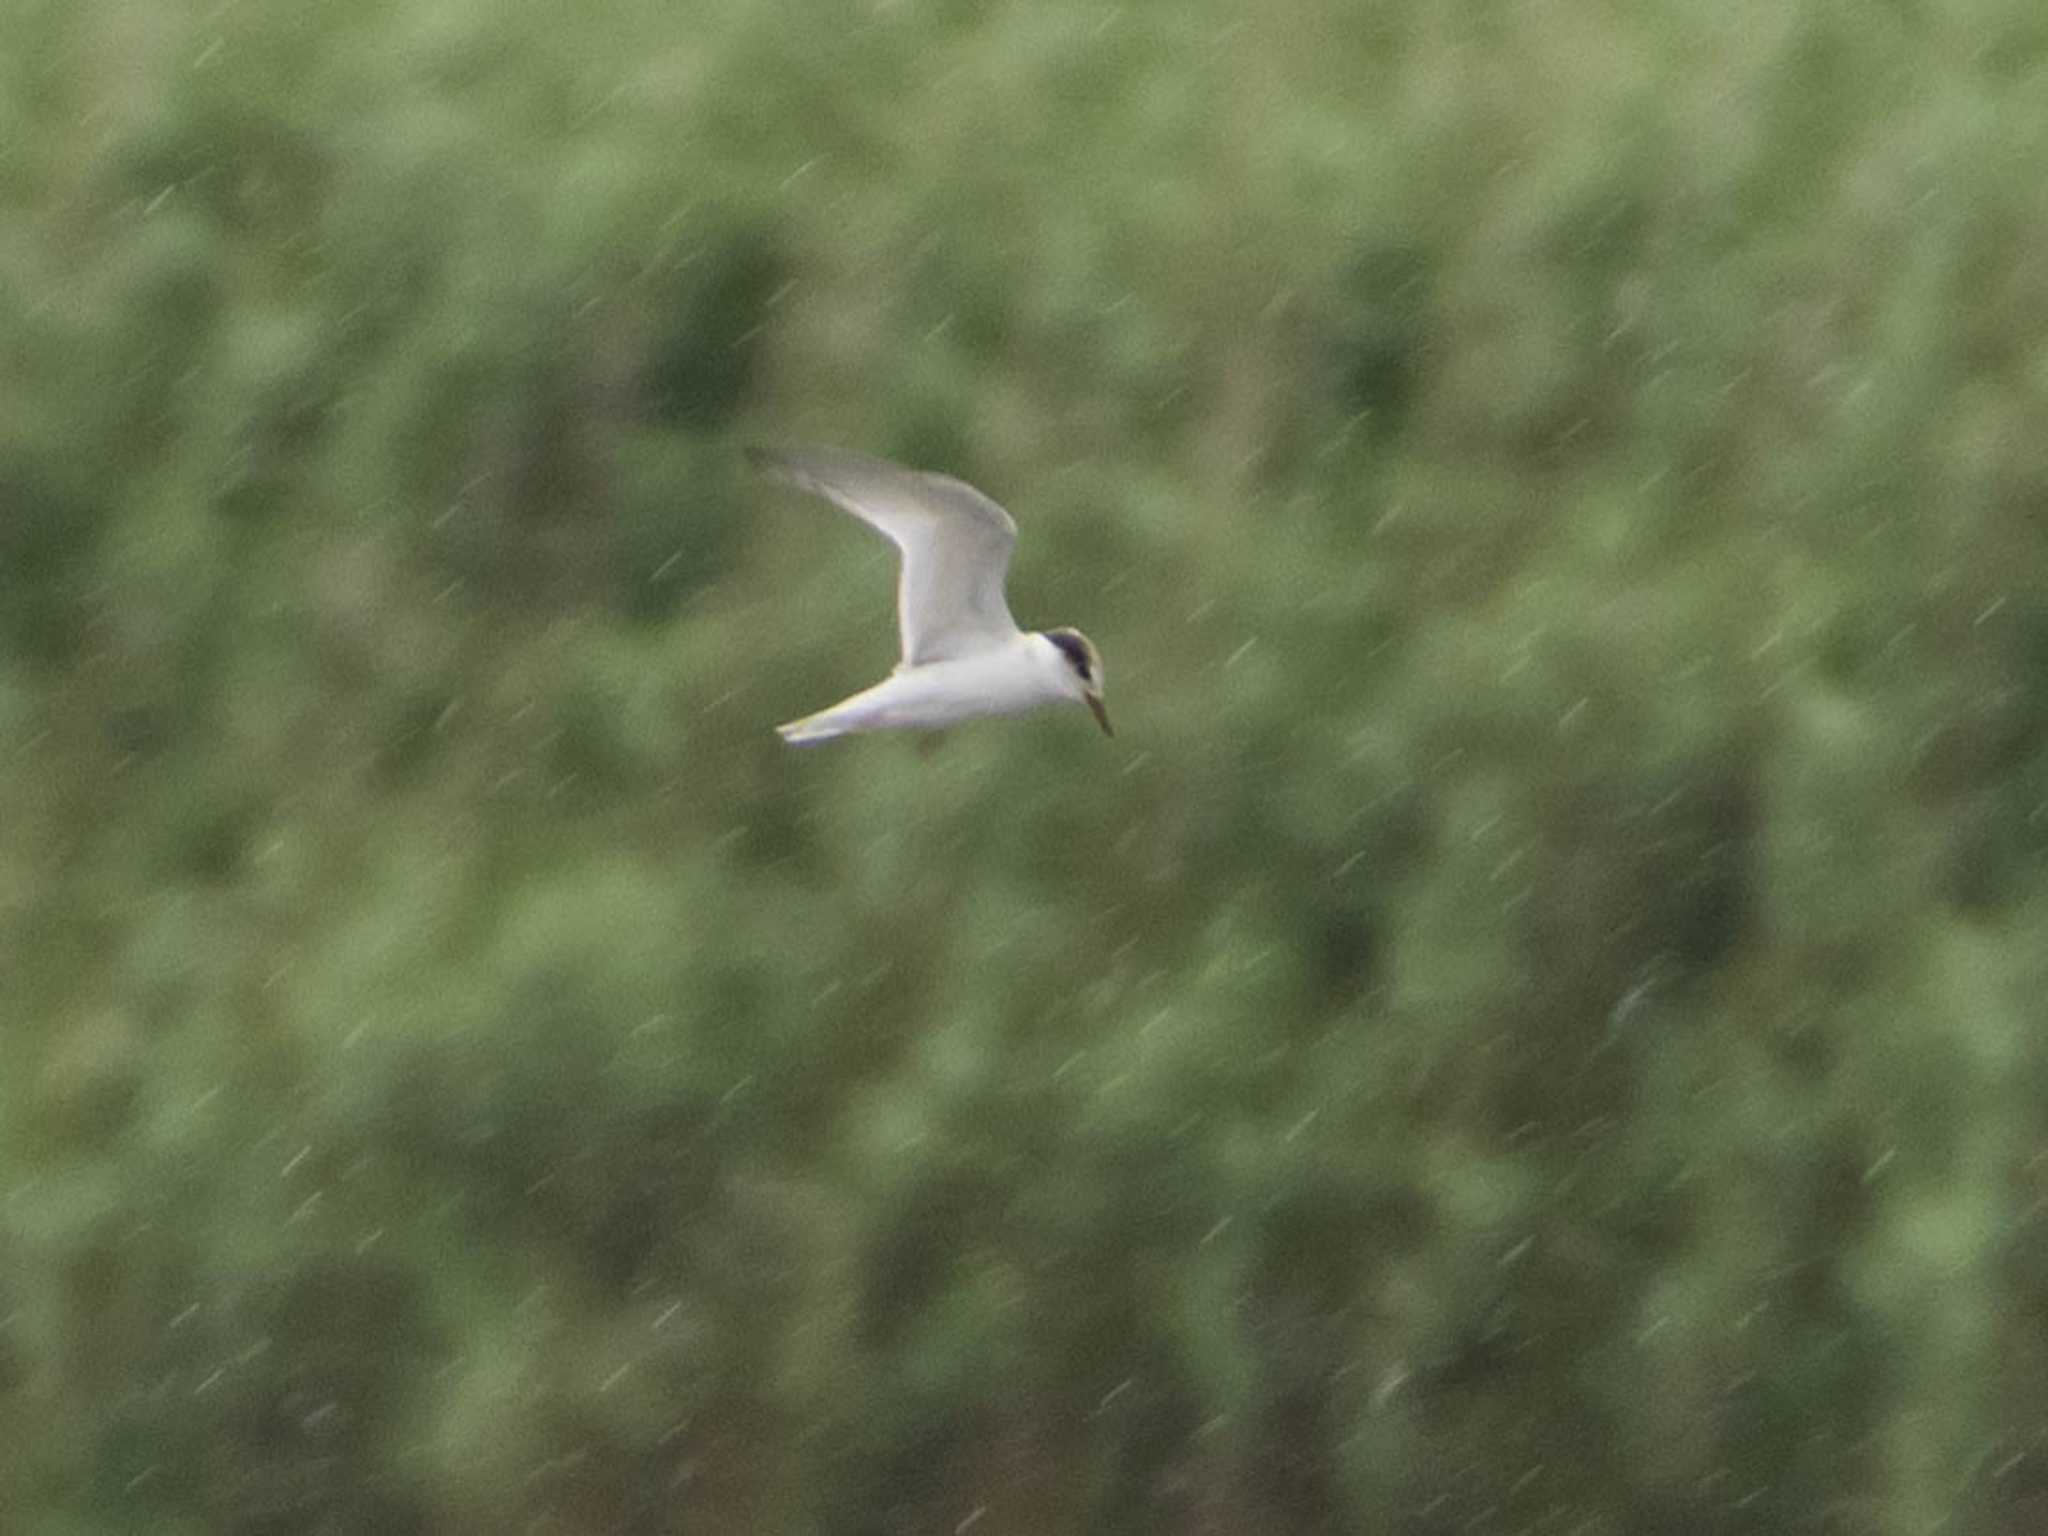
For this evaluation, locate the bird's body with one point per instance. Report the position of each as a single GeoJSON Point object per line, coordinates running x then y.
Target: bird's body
{"type": "Point", "coordinates": [1023, 675]}
{"type": "Point", "coordinates": [963, 655]}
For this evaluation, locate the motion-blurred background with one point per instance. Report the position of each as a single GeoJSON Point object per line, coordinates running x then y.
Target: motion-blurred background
{"type": "Point", "coordinates": [1535, 1024]}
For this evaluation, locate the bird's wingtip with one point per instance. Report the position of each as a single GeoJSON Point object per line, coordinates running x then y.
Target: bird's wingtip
{"type": "Point", "coordinates": [787, 466]}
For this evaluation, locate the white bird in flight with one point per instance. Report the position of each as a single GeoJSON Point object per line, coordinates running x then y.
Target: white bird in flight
{"type": "Point", "coordinates": [963, 655]}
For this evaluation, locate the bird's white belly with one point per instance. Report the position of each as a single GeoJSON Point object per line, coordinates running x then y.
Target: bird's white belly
{"type": "Point", "coordinates": [1001, 682]}
{"type": "Point", "coordinates": [1006, 680]}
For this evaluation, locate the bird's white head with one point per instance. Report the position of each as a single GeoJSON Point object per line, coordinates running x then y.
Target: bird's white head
{"type": "Point", "coordinates": [1081, 671]}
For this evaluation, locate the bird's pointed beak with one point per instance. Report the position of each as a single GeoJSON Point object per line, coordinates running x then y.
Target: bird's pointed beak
{"type": "Point", "coordinates": [1101, 714]}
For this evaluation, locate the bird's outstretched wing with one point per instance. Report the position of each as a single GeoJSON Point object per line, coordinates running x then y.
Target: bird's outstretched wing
{"type": "Point", "coordinates": [955, 544]}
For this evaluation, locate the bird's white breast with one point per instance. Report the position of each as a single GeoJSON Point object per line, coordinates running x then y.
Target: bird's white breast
{"type": "Point", "coordinates": [1002, 680]}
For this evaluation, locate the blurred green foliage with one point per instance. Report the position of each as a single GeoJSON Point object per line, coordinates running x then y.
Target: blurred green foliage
{"type": "Point", "coordinates": [1534, 1025]}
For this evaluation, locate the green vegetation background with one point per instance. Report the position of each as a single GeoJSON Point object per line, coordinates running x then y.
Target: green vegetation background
{"type": "Point", "coordinates": [1534, 1025]}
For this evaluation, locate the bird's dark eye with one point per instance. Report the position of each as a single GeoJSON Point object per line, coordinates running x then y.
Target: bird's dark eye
{"type": "Point", "coordinates": [1074, 649]}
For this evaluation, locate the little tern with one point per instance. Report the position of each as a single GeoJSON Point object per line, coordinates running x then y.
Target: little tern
{"type": "Point", "coordinates": [963, 655]}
